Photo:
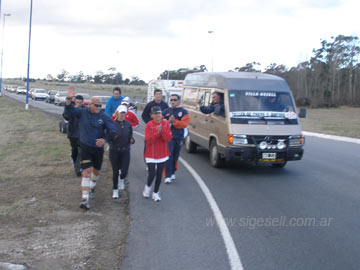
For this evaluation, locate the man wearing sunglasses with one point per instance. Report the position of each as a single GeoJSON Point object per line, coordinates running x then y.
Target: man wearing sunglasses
{"type": "Point", "coordinates": [178, 119]}
{"type": "Point", "coordinates": [94, 128]}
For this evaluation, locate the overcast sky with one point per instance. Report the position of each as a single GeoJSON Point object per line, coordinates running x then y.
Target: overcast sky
{"type": "Point", "coordinates": [146, 37]}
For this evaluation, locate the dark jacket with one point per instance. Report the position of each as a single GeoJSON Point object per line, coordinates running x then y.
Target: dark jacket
{"type": "Point", "coordinates": [147, 110]}
{"type": "Point", "coordinates": [73, 126]}
{"type": "Point", "coordinates": [217, 108]}
{"type": "Point", "coordinates": [92, 126]}
{"type": "Point", "coordinates": [182, 121]}
{"type": "Point", "coordinates": [124, 134]}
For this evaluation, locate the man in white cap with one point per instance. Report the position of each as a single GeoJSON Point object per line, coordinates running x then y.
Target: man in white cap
{"type": "Point", "coordinates": [119, 153]}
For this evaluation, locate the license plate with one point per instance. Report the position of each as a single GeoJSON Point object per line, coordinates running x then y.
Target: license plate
{"type": "Point", "coordinates": [269, 155]}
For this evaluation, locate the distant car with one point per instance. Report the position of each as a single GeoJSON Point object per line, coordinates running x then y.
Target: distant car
{"type": "Point", "coordinates": [103, 100]}
{"type": "Point", "coordinates": [7, 88]}
{"type": "Point", "coordinates": [21, 90]}
{"type": "Point", "coordinates": [39, 94]}
{"type": "Point", "coordinates": [60, 98]}
{"type": "Point", "coordinates": [30, 92]}
{"type": "Point", "coordinates": [13, 88]}
{"type": "Point", "coordinates": [51, 96]}
{"type": "Point", "coordinates": [86, 98]}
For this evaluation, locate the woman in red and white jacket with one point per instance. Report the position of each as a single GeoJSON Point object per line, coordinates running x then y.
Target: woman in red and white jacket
{"type": "Point", "coordinates": [130, 115]}
{"type": "Point", "coordinates": [157, 137]}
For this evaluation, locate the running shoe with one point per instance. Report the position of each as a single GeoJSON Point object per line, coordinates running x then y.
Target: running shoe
{"type": "Point", "coordinates": [115, 194]}
{"type": "Point", "coordinates": [156, 197]}
{"type": "Point", "coordinates": [122, 184]}
{"type": "Point", "coordinates": [147, 191]}
{"type": "Point", "coordinates": [85, 204]}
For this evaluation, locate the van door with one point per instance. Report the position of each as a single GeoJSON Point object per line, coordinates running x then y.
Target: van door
{"type": "Point", "coordinates": [218, 126]}
{"type": "Point", "coordinates": [205, 120]}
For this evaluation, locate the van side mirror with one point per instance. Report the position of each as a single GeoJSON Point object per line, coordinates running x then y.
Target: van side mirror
{"type": "Point", "coordinates": [302, 113]}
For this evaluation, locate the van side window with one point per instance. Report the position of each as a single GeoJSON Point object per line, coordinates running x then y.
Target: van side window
{"type": "Point", "coordinates": [190, 96]}
{"type": "Point", "coordinates": [204, 98]}
{"type": "Point", "coordinates": [207, 98]}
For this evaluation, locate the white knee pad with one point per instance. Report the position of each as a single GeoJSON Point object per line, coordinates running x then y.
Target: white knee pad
{"type": "Point", "coordinates": [85, 186]}
{"type": "Point", "coordinates": [95, 177]}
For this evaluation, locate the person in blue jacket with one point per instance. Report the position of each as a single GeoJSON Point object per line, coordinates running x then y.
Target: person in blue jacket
{"type": "Point", "coordinates": [94, 128]}
{"type": "Point", "coordinates": [217, 105]}
{"type": "Point", "coordinates": [114, 102]}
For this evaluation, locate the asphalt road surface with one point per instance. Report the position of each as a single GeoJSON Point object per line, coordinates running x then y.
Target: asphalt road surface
{"type": "Point", "coordinates": [304, 216]}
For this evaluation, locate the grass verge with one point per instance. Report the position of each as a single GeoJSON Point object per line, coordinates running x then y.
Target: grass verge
{"type": "Point", "coordinates": [343, 121]}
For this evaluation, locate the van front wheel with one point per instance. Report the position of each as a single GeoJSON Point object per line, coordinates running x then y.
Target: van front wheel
{"type": "Point", "coordinates": [190, 146]}
{"type": "Point", "coordinates": [215, 158]}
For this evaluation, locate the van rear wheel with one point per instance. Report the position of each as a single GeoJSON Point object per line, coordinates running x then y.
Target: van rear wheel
{"type": "Point", "coordinates": [215, 158]}
{"type": "Point", "coordinates": [190, 146]}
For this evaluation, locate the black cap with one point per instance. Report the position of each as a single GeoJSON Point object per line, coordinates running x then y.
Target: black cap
{"type": "Point", "coordinates": [156, 109]}
{"type": "Point", "coordinates": [79, 97]}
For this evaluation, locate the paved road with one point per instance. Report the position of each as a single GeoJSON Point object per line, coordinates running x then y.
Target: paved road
{"type": "Point", "coordinates": [179, 232]}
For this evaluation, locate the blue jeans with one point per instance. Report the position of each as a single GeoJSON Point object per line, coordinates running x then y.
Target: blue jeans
{"type": "Point", "coordinates": [174, 148]}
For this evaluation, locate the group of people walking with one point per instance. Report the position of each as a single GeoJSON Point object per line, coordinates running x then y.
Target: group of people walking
{"type": "Point", "coordinates": [90, 129]}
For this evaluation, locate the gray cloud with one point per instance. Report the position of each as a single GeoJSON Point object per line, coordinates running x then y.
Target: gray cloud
{"type": "Point", "coordinates": [111, 17]}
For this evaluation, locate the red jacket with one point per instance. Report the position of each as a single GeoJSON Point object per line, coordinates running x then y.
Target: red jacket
{"type": "Point", "coordinates": [157, 143]}
{"type": "Point", "coordinates": [131, 117]}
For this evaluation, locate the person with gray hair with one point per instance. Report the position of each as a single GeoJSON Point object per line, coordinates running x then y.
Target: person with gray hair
{"type": "Point", "coordinates": [95, 127]}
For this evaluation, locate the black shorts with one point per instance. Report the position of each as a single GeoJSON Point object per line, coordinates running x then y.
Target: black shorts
{"type": "Point", "coordinates": [91, 157]}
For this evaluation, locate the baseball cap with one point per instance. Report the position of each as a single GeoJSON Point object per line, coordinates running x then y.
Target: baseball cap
{"type": "Point", "coordinates": [156, 109]}
{"type": "Point", "coordinates": [125, 100]}
{"type": "Point", "coordinates": [121, 108]}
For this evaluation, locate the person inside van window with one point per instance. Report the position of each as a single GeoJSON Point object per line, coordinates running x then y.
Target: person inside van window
{"type": "Point", "coordinates": [274, 104]}
{"type": "Point", "coordinates": [216, 106]}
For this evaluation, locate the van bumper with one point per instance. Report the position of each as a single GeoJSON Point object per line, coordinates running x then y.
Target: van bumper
{"type": "Point", "coordinates": [252, 154]}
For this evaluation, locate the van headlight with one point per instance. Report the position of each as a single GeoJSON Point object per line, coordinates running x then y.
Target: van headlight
{"type": "Point", "coordinates": [237, 139]}
{"type": "Point", "coordinates": [281, 144]}
{"type": "Point", "coordinates": [296, 141]}
{"type": "Point", "coordinates": [263, 145]}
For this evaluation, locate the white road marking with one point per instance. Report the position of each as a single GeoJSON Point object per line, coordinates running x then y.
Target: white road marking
{"type": "Point", "coordinates": [233, 255]}
{"type": "Point", "coordinates": [331, 137]}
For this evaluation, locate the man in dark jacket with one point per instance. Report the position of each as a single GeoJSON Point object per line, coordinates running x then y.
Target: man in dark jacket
{"type": "Point", "coordinates": [178, 119]}
{"type": "Point", "coordinates": [216, 106]}
{"type": "Point", "coordinates": [94, 128]}
{"type": "Point", "coordinates": [73, 134]}
{"type": "Point", "coordinates": [146, 114]}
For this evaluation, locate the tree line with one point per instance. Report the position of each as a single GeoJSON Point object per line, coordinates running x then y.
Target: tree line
{"type": "Point", "coordinates": [112, 76]}
{"type": "Point", "coordinates": [330, 78]}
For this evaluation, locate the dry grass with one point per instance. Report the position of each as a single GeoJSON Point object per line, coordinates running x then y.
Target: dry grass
{"type": "Point", "coordinates": [343, 121]}
{"type": "Point", "coordinates": [41, 223]}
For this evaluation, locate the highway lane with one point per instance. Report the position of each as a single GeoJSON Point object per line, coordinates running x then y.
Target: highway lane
{"type": "Point", "coordinates": [178, 233]}
{"type": "Point", "coordinates": [325, 184]}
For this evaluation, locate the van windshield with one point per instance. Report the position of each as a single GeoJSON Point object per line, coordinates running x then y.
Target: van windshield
{"type": "Point", "coordinates": [261, 105]}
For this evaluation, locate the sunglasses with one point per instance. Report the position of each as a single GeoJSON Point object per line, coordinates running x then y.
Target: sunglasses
{"type": "Point", "coordinates": [97, 105]}
{"type": "Point", "coordinates": [173, 100]}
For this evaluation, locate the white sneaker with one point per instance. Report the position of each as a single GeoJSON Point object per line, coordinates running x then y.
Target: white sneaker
{"type": "Point", "coordinates": [122, 184]}
{"type": "Point", "coordinates": [147, 191]}
{"type": "Point", "coordinates": [167, 180]}
{"type": "Point", "coordinates": [156, 197]}
{"type": "Point", "coordinates": [115, 194]}
{"type": "Point", "coordinates": [173, 177]}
